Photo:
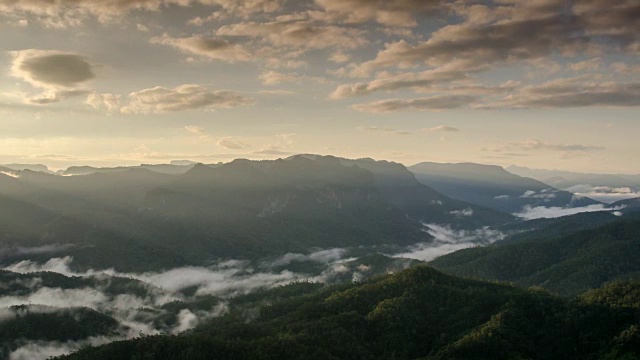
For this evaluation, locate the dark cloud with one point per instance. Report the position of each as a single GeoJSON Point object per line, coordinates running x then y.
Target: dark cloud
{"type": "Point", "coordinates": [44, 68]}
{"type": "Point", "coordinates": [517, 30]}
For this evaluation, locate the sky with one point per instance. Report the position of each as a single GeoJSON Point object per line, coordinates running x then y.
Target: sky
{"type": "Point", "coordinates": [538, 83]}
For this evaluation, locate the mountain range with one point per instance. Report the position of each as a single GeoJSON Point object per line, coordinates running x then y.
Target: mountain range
{"type": "Point", "coordinates": [242, 209]}
{"type": "Point", "coordinates": [312, 257]}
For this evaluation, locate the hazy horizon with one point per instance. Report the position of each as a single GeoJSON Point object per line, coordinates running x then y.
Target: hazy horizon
{"type": "Point", "coordinates": [187, 162]}
{"type": "Point", "coordinates": [542, 84]}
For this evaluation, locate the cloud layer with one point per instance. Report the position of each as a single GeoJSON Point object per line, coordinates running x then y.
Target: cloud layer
{"type": "Point", "coordinates": [184, 97]}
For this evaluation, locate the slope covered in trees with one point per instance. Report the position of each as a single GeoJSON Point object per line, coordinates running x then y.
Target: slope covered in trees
{"type": "Point", "coordinates": [566, 265]}
{"type": "Point", "coordinates": [419, 313]}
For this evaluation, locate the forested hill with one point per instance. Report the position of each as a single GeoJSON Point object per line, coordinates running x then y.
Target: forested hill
{"type": "Point", "coordinates": [419, 313]}
{"type": "Point", "coordinates": [565, 265]}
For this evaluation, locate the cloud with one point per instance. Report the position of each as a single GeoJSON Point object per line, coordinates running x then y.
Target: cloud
{"type": "Point", "coordinates": [536, 144]}
{"type": "Point", "coordinates": [339, 57]}
{"type": "Point", "coordinates": [194, 129]}
{"type": "Point", "coordinates": [447, 240]}
{"type": "Point", "coordinates": [625, 69]}
{"type": "Point", "coordinates": [72, 13]}
{"type": "Point", "coordinates": [226, 279]}
{"type": "Point", "coordinates": [401, 13]}
{"type": "Point", "coordinates": [44, 249]}
{"type": "Point", "coordinates": [232, 144]}
{"type": "Point", "coordinates": [212, 48]}
{"type": "Point", "coordinates": [181, 98]}
{"type": "Point", "coordinates": [615, 20]}
{"type": "Point", "coordinates": [606, 194]}
{"type": "Point", "coordinates": [546, 194]}
{"type": "Point", "coordinates": [58, 74]}
{"type": "Point", "coordinates": [529, 213]}
{"type": "Point", "coordinates": [41, 350]}
{"type": "Point", "coordinates": [273, 78]}
{"type": "Point", "coordinates": [85, 297]}
{"type": "Point", "coordinates": [55, 96]}
{"type": "Point", "coordinates": [297, 31]}
{"type": "Point", "coordinates": [587, 65]}
{"type": "Point", "coordinates": [504, 32]}
{"type": "Point", "coordinates": [440, 128]}
{"type": "Point", "coordinates": [277, 92]}
{"type": "Point", "coordinates": [501, 33]}
{"type": "Point", "coordinates": [572, 92]}
{"type": "Point", "coordinates": [420, 104]}
{"type": "Point", "coordinates": [422, 81]}
{"type": "Point", "coordinates": [321, 256]}
{"type": "Point", "coordinates": [272, 151]}
{"type": "Point", "coordinates": [462, 213]}
{"type": "Point", "coordinates": [51, 69]}
{"type": "Point", "coordinates": [384, 129]}
{"type": "Point", "coordinates": [108, 102]}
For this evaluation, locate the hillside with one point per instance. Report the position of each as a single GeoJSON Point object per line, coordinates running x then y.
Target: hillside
{"type": "Point", "coordinates": [403, 189]}
{"type": "Point", "coordinates": [25, 324]}
{"type": "Point", "coordinates": [140, 219]}
{"type": "Point", "coordinates": [418, 313]}
{"type": "Point", "coordinates": [566, 265]}
{"type": "Point", "coordinates": [629, 205]}
{"type": "Point", "coordinates": [493, 187]}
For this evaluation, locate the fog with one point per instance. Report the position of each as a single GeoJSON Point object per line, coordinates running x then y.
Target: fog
{"type": "Point", "coordinates": [226, 279]}
{"type": "Point", "coordinates": [607, 194]}
{"type": "Point", "coordinates": [44, 249]}
{"type": "Point", "coordinates": [446, 240]}
{"type": "Point", "coordinates": [530, 213]}
{"type": "Point", "coordinates": [136, 314]}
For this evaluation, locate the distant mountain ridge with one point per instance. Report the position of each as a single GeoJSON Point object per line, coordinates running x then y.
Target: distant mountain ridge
{"type": "Point", "coordinates": [493, 187]}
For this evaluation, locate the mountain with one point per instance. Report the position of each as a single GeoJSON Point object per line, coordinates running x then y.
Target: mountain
{"type": "Point", "coordinates": [627, 205]}
{"type": "Point", "coordinates": [493, 187]}
{"type": "Point", "coordinates": [32, 167]}
{"type": "Point", "coordinates": [26, 324]}
{"type": "Point", "coordinates": [567, 178]}
{"type": "Point", "coordinates": [566, 265]}
{"type": "Point", "coordinates": [603, 187]}
{"type": "Point", "coordinates": [419, 313]}
{"type": "Point", "coordinates": [141, 219]}
{"type": "Point", "coordinates": [265, 207]}
{"type": "Point", "coordinates": [422, 202]}
{"type": "Point", "coordinates": [546, 228]}
{"type": "Point", "coordinates": [177, 168]}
